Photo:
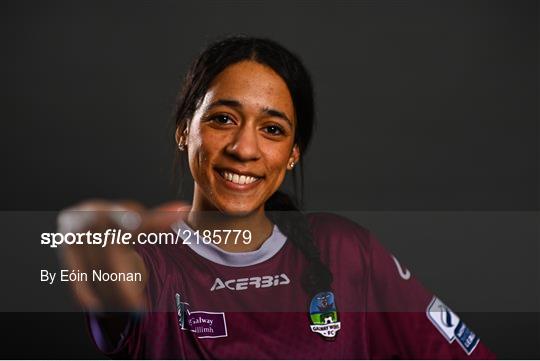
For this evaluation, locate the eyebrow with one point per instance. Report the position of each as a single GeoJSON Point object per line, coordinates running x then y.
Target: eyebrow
{"type": "Point", "coordinates": [236, 104]}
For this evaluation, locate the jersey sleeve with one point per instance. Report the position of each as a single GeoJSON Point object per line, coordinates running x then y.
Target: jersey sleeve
{"type": "Point", "coordinates": [120, 335]}
{"type": "Point", "coordinates": [404, 320]}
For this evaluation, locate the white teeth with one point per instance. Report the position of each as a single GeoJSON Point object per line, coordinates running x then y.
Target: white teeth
{"type": "Point", "coordinates": [237, 178]}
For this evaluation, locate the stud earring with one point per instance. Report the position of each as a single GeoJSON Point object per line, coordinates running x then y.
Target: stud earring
{"type": "Point", "coordinates": [291, 165]}
{"type": "Point", "coordinates": [181, 146]}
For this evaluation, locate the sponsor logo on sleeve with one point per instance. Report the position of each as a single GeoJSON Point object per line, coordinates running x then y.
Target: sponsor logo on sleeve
{"type": "Point", "coordinates": [466, 338]}
{"type": "Point", "coordinates": [450, 326]}
{"type": "Point", "coordinates": [202, 323]}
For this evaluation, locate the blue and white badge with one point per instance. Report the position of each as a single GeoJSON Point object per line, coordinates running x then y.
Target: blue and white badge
{"type": "Point", "coordinates": [323, 315]}
{"type": "Point", "coordinates": [450, 326]}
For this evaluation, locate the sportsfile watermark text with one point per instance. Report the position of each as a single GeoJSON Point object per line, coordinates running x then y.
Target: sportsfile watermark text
{"type": "Point", "coordinates": [121, 237]}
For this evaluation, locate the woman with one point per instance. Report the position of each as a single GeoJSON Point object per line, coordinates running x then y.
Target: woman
{"type": "Point", "coordinates": [291, 286]}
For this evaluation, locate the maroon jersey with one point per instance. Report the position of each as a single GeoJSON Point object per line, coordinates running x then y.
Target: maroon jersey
{"type": "Point", "coordinates": [208, 303]}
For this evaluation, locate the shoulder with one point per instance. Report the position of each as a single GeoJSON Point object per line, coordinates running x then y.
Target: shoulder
{"type": "Point", "coordinates": [347, 239]}
{"type": "Point", "coordinates": [158, 258]}
{"type": "Point", "coordinates": [336, 226]}
{"type": "Point", "coordinates": [335, 232]}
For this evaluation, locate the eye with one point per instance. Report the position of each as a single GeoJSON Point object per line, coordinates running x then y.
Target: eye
{"type": "Point", "coordinates": [273, 130]}
{"type": "Point", "coordinates": [221, 119]}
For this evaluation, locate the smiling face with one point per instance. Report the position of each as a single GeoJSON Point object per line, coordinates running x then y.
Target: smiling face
{"type": "Point", "coordinates": [240, 141]}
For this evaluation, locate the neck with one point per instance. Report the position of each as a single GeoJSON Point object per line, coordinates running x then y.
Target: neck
{"type": "Point", "coordinates": [255, 227]}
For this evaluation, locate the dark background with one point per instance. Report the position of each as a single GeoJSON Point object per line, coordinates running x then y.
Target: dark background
{"type": "Point", "coordinates": [427, 133]}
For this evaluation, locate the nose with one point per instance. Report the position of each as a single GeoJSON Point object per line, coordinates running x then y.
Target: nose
{"type": "Point", "coordinates": [244, 145]}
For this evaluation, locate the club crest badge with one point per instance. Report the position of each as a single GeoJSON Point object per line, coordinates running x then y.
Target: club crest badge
{"type": "Point", "coordinates": [323, 315]}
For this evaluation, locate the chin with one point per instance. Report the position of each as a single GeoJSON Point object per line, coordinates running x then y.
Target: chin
{"type": "Point", "coordinates": [240, 210]}
{"type": "Point", "coordinates": [235, 213]}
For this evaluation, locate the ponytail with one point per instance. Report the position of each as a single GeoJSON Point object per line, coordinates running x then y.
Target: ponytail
{"type": "Point", "coordinates": [294, 224]}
